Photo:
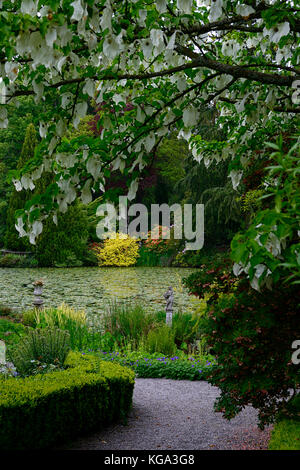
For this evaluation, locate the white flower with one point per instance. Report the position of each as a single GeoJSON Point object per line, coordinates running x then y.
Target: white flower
{"type": "Point", "coordinates": [43, 129]}
{"type": "Point", "coordinates": [38, 89]}
{"type": "Point", "coordinates": [80, 112]}
{"type": "Point", "coordinates": [235, 178]}
{"type": "Point", "coordinates": [111, 47]}
{"type": "Point", "coordinates": [278, 31]}
{"type": "Point", "coordinates": [105, 21]}
{"type": "Point", "coordinates": [28, 7]}
{"type": "Point", "coordinates": [17, 185]}
{"type": "Point", "coordinates": [11, 70]}
{"type": "Point", "coordinates": [93, 167]}
{"type": "Point", "coordinates": [149, 142]}
{"type": "Point", "coordinates": [190, 116]}
{"type": "Point", "coordinates": [171, 43]}
{"type": "Point", "coordinates": [61, 128]}
{"type": "Point", "coordinates": [140, 115]}
{"type": "Point", "coordinates": [37, 228]}
{"type": "Point", "coordinates": [27, 182]}
{"type": "Point", "coordinates": [161, 5]}
{"type": "Point", "coordinates": [244, 10]}
{"type": "Point", "coordinates": [89, 88]}
{"type": "Point", "coordinates": [19, 227]}
{"type": "Point", "coordinates": [50, 37]}
{"type": "Point", "coordinates": [132, 190]}
{"type": "Point", "coordinates": [147, 48]}
{"type": "Point", "coordinates": [78, 11]}
{"type": "Point", "coordinates": [237, 269]}
{"type": "Point", "coordinates": [86, 195]}
{"type": "Point", "coordinates": [197, 154]}
{"type": "Point", "coordinates": [157, 37]}
{"type": "Point", "coordinates": [215, 10]}
{"type": "Point", "coordinates": [185, 6]}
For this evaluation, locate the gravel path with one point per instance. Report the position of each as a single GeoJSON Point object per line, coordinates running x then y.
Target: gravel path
{"type": "Point", "coordinates": [176, 415]}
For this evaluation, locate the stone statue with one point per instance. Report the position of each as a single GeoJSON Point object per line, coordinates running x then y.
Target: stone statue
{"type": "Point", "coordinates": [169, 296]}
{"type": "Point", "coordinates": [2, 352]}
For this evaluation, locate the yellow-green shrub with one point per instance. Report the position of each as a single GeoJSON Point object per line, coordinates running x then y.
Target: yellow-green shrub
{"type": "Point", "coordinates": [122, 250]}
{"type": "Point", "coordinates": [40, 410]}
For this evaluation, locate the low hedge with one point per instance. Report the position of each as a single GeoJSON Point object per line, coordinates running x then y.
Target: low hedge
{"type": "Point", "coordinates": [38, 411]}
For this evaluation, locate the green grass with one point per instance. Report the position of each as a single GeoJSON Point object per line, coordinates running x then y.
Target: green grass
{"type": "Point", "coordinates": [285, 435]}
{"type": "Point", "coordinates": [11, 333]}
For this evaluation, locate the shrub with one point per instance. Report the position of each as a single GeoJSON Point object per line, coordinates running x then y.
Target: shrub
{"type": "Point", "coordinates": [162, 340]}
{"type": "Point", "coordinates": [122, 250]}
{"type": "Point", "coordinates": [48, 346]}
{"type": "Point", "coordinates": [157, 242]}
{"type": "Point", "coordinates": [214, 277]}
{"type": "Point", "coordinates": [38, 411]}
{"type": "Point", "coordinates": [251, 334]}
{"type": "Point", "coordinates": [18, 198]}
{"type": "Point", "coordinates": [185, 328]}
{"type": "Point", "coordinates": [64, 244]}
{"type": "Point", "coordinates": [5, 311]}
{"type": "Point", "coordinates": [128, 322]}
{"type": "Point", "coordinates": [11, 260]}
{"type": "Point", "coordinates": [64, 318]}
{"type": "Point", "coordinates": [11, 333]}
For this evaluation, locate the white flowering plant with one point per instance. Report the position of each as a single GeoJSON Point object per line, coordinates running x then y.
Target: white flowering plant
{"type": "Point", "coordinates": [151, 66]}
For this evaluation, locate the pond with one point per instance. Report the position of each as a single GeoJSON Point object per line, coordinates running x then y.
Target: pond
{"type": "Point", "coordinates": [92, 288]}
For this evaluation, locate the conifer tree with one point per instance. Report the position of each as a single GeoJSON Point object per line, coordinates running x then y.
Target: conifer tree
{"type": "Point", "coordinates": [19, 198]}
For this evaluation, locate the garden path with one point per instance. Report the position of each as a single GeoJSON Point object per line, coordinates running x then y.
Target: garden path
{"type": "Point", "coordinates": [176, 415]}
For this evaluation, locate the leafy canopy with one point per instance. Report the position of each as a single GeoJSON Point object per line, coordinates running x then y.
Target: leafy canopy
{"type": "Point", "coordinates": [152, 67]}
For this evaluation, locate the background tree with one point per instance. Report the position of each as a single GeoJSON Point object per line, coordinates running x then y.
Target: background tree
{"type": "Point", "coordinates": [18, 198]}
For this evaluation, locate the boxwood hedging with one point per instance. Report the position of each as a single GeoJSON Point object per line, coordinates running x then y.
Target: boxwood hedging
{"type": "Point", "coordinates": [38, 411]}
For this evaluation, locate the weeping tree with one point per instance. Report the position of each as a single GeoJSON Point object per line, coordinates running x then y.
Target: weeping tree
{"type": "Point", "coordinates": [212, 188]}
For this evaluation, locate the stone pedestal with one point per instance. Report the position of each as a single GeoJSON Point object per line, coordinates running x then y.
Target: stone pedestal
{"type": "Point", "coordinates": [38, 290]}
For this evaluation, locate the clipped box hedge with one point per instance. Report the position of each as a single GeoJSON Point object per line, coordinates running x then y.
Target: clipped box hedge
{"type": "Point", "coordinates": [40, 410]}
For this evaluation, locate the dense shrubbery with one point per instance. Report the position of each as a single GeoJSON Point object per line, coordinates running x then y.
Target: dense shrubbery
{"type": "Point", "coordinates": [11, 260]}
{"type": "Point", "coordinates": [251, 334]}
{"type": "Point", "coordinates": [37, 411]}
{"type": "Point", "coordinates": [64, 244]}
{"type": "Point", "coordinates": [48, 346]}
{"type": "Point", "coordinates": [214, 277]}
{"type": "Point", "coordinates": [120, 250]}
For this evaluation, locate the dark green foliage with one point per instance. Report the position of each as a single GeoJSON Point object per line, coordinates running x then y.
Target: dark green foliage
{"type": "Point", "coordinates": [48, 346]}
{"type": "Point", "coordinates": [19, 198]}
{"type": "Point", "coordinates": [251, 334]}
{"type": "Point", "coordinates": [11, 260]}
{"type": "Point", "coordinates": [11, 332]}
{"type": "Point", "coordinates": [214, 277]}
{"type": "Point", "coordinates": [210, 186]}
{"type": "Point", "coordinates": [162, 340]}
{"type": "Point", "coordinates": [127, 323]}
{"type": "Point", "coordinates": [64, 244]}
{"type": "Point", "coordinates": [38, 411]}
{"type": "Point", "coordinates": [185, 329]}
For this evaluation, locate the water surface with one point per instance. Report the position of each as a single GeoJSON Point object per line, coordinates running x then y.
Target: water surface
{"type": "Point", "coordinates": [91, 288]}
